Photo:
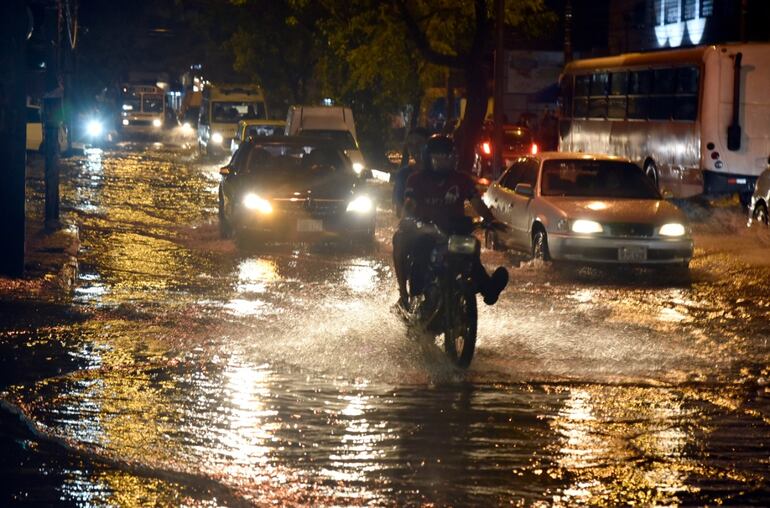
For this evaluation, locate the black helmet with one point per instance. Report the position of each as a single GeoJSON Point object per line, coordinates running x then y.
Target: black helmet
{"type": "Point", "coordinates": [438, 154]}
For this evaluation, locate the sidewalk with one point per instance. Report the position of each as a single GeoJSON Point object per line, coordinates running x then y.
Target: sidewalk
{"type": "Point", "coordinates": [50, 264]}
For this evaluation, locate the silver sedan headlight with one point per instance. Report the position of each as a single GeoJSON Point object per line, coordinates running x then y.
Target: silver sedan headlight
{"type": "Point", "coordinates": [583, 226]}
{"type": "Point", "coordinates": [217, 138]}
{"type": "Point", "coordinates": [672, 229]}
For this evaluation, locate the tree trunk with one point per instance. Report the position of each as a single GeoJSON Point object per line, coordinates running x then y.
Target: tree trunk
{"type": "Point", "coordinates": [475, 110]}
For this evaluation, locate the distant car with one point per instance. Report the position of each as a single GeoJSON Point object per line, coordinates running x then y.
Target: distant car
{"type": "Point", "coordinates": [589, 209]}
{"type": "Point", "coordinates": [760, 200]}
{"type": "Point", "coordinates": [294, 188]}
{"type": "Point", "coordinates": [247, 128]}
{"type": "Point", "coordinates": [517, 141]}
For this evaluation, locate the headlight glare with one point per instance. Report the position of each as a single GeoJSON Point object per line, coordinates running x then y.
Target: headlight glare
{"type": "Point", "coordinates": [358, 167]}
{"type": "Point", "coordinates": [156, 122]}
{"type": "Point", "coordinates": [583, 226]}
{"type": "Point", "coordinates": [361, 204]}
{"type": "Point", "coordinates": [125, 121]}
{"type": "Point", "coordinates": [217, 138]}
{"type": "Point", "coordinates": [94, 128]}
{"type": "Point", "coordinates": [672, 229]}
{"type": "Point", "coordinates": [254, 202]}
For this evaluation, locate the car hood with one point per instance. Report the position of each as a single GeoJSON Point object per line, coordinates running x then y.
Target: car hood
{"type": "Point", "coordinates": [640, 211]}
{"type": "Point", "coordinates": [320, 185]}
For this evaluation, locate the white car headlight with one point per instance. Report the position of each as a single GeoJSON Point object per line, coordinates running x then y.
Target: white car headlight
{"type": "Point", "coordinates": [156, 122]}
{"type": "Point", "coordinates": [217, 138]}
{"type": "Point", "coordinates": [125, 121]}
{"type": "Point", "coordinates": [186, 127]}
{"type": "Point", "coordinates": [94, 128]}
{"type": "Point", "coordinates": [672, 229]}
{"type": "Point", "coordinates": [361, 204]}
{"type": "Point", "coordinates": [254, 202]}
{"type": "Point", "coordinates": [586, 227]}
{"type": "Point", "coordinates": [358, 167]}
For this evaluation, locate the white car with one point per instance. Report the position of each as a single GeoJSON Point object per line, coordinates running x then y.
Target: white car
{"type": "Point", "coordinates": [588, 209]}
{"type": "Point", "coordinates": [35, 131]}
{"type": "Point", "coordinates": [760, 200]}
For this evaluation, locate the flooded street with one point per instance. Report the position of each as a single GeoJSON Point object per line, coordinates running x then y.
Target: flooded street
{"type": "Point", "coordinates": [186, 371]}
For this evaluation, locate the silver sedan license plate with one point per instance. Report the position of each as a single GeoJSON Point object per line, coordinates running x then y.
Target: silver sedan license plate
{"type": "Point", "coordinates": [309, 225]}
{"type": "Point", "coordinates": [632, 254]}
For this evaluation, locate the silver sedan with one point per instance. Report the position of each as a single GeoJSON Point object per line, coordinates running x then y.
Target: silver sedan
{"type": "Point", "coordinates": [589, 209]}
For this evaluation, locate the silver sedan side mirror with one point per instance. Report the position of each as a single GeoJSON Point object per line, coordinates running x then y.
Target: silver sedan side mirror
{"type": "Point", "coordinates": [524, 189]}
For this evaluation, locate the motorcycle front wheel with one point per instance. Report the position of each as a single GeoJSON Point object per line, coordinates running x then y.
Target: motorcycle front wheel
{"type": "Point", "coordinates": [460, 323]}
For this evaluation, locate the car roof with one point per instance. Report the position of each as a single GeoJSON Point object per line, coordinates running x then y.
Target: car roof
{"type": "Point", "coordinates": [257, 121]}
{"type": "Point", "coordinates": [544, 156]}
{"type": "Point", "coordinates": [293, 140]}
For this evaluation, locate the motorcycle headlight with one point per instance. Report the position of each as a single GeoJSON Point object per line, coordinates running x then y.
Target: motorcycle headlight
{"type": "Point", "coordinates": [254, 202]}
{"type": "Point", "coordinates": [94, 128]}
{"type": "Point", "coordinates": [156, 122]}
{"type": "Point", "coordinates": [358, 167]}
{"type": "Point", "coordinates": [583, 226]}
{"type": "Point", "coordinates": [217, 138]}
{"type": "Point", "coordinates": [361, 204]}
{"type": "Point", "coordinates": [672, 229]}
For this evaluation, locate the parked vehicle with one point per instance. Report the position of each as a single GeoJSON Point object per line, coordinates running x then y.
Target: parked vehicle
{"type": "Point", "coordinates": [760, 200]}
{"type": "Point", "coordinates": [294, 188]}
{"type": "Point", "coordinates": [222, 107]}
{"type": "Point", "coordinates": [517, 141]}
{"type": "Point", "coordinates": [587, 208]}
{"type": "Point", "coordinates": [247, 128]}
{"type": "Point", "coordinates": [445, 305]}
{"type": "Point", "coordinates": [332, 122]}
{"type": "Point", "coordinates": [695, 119]}
{"type": "Point", "coordinates": [35, 131]}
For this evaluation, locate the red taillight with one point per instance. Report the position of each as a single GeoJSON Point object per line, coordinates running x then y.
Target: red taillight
{"type": "Point", "coordinates": [486, 147]}
{"type": "Point", "coordinates": [483, 181]}
{"type": "Point", "coordinates": [534, 149]}
{"type": "Point", "coordinates": [715, 155]}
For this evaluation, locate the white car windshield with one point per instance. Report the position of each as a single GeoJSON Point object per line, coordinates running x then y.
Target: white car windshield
{"type": "Point", "coordinates": [596, 179]}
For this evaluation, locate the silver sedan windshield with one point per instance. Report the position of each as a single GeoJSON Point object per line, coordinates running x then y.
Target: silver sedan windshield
{"type": "Point", "coordinates": [596, 179]}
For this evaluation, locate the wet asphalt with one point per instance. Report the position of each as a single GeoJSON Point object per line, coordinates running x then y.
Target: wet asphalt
{"type": "Point", "coordinates": [186, 370]}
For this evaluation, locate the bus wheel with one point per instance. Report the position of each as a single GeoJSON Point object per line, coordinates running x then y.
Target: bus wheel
{"type": "Point", "coordinates": [652, 173]}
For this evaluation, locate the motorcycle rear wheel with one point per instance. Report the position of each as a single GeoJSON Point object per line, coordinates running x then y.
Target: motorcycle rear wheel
{"type": "Point", "coordinates": [460, 326]}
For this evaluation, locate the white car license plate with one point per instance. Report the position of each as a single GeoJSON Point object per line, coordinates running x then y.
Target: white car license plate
{"type": "Point", "coordinates": [309, 225]}
{"type": "Point", "coordinates": [632, 254]}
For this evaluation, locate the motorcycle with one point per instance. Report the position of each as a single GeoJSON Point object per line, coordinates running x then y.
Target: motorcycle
{"type": "Point", "coordinates": [442, 297]}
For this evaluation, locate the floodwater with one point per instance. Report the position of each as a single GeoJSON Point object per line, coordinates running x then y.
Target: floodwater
{"type": "Point", "coordinates": [185, 371]}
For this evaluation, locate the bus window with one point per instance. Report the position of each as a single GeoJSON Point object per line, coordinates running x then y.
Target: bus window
{"type": "Point", "coordinates": [660, 107]}
{"type": "Point", "coordinates": [616, 107]}
{"type": "Point", "coordinates": [597, 104]}
{"type": "Point", "coordinates": [640, 83]}
{"type": "Point", "coordinates": [599, 84]}
{"type": "Point", "coordinates": [664, 81]}
{"type": "Point", "coordinates": [581, 85]}
{"type": "Point", "coordinates": [637, 108]}
{"type": "Point", "coordinates": [618, 83]}
{"type": "Point", "coordinates": [686, 107]}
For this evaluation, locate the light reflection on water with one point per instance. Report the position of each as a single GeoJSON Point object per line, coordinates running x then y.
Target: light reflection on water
{"type": "Point", "coordinates": [283, 376]}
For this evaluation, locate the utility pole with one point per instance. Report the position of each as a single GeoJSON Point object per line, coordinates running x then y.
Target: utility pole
{"type": "Point", "coordinates": [52, 119]}
{"type": "Point", "coordinates": [497, 147]}
{"type": "Point", "coordinates": [14, 31]}
{"type": "Point", "coordinates": [568, 32]}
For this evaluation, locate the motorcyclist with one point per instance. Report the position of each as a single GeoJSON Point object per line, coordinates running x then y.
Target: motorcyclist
{"type": "Point", "coordinates": [437, 194]}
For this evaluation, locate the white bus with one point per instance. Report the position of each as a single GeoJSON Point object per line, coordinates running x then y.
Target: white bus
{"type": "Point", "coordinates": [695, 120]}
{"type": "Point", "coordinates": [143, 110]}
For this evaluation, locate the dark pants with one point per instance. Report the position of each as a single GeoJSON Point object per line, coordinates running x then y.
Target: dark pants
{"type": "Point", "coordinates": [413, 243]}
